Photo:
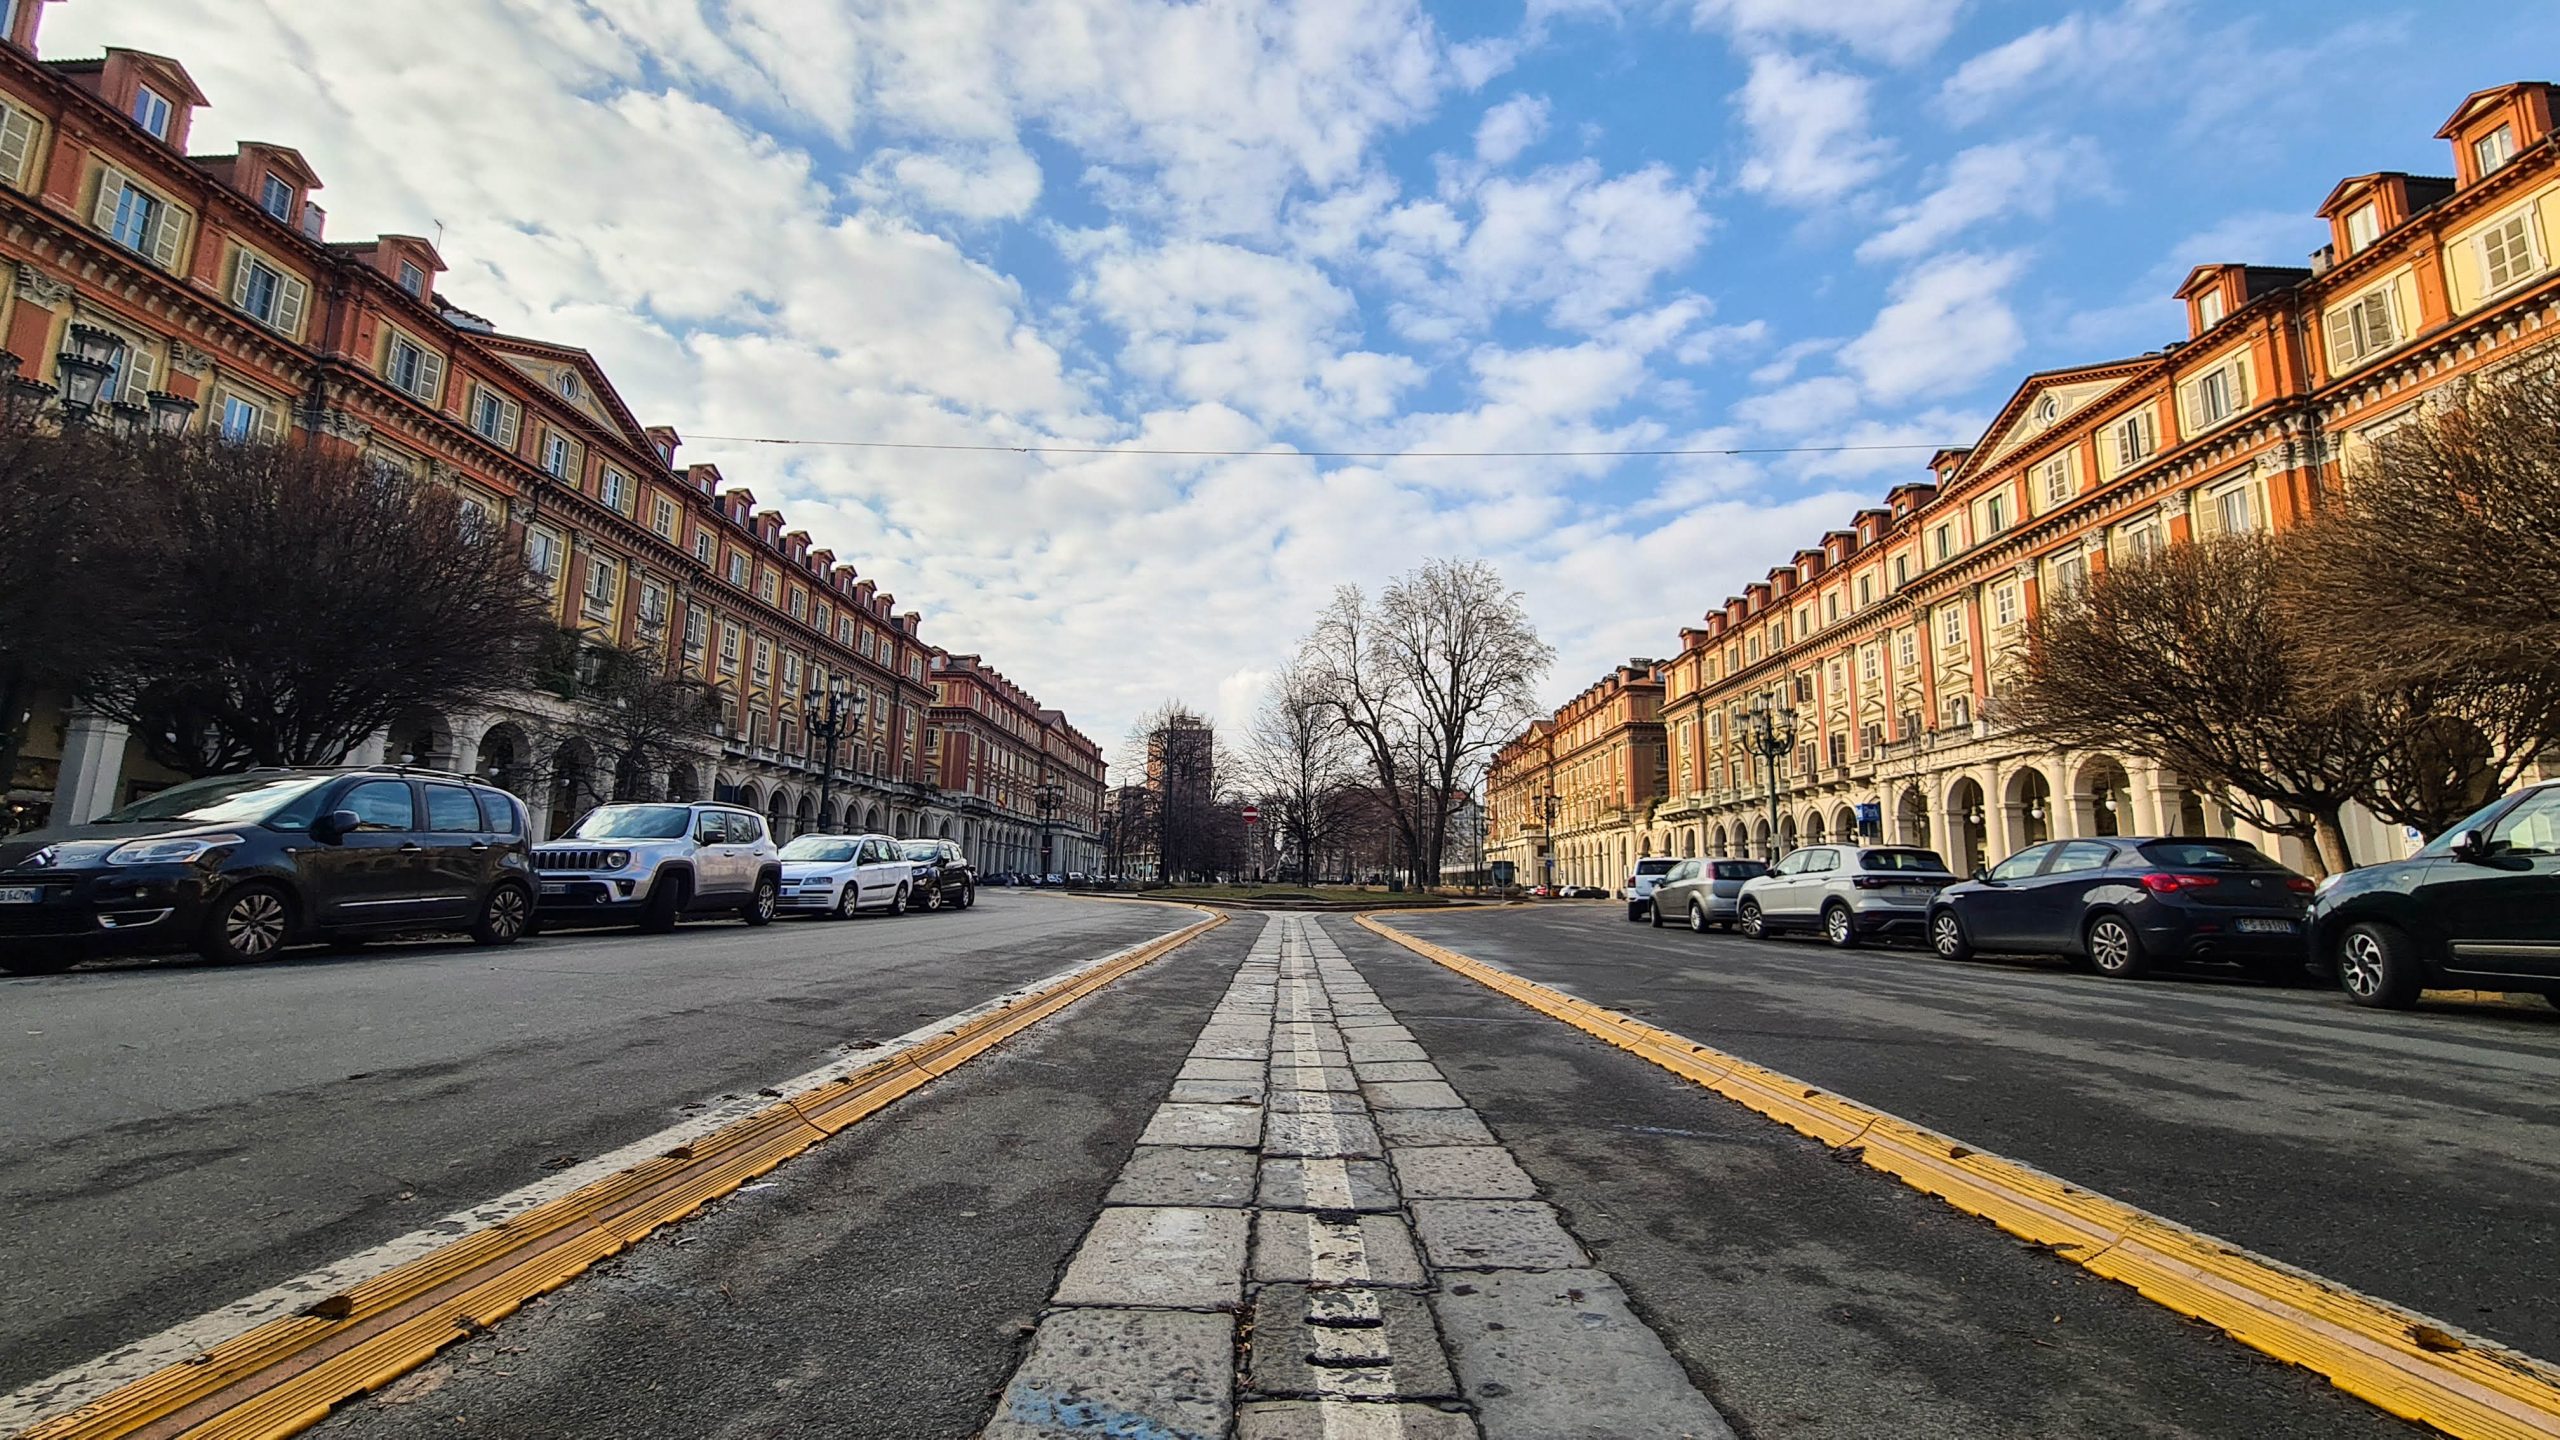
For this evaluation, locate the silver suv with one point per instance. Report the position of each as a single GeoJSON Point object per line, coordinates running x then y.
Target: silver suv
{"type": "Point", "coordinates": [1848, 893]}
{"type": "Point", "coordinates": [1700, 893]}
{"type": "Point", "coordinates": [654, 864]}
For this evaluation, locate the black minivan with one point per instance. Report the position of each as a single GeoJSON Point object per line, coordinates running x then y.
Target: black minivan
{"type": "Point", "coordinates": [237, 867]}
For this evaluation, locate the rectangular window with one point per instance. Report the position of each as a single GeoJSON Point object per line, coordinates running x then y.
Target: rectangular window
{"type": "Point", "coordinates": [791, 672]}
{"type": "Point", "coordinates": [1995, 514]}
{"type": "Point", "coordinates": [2004, 605]}
{"type": "Point", "coordinates": [728, 647]}
{"type": "Point", "coordinates": [496, 418]}
{"type": "Point", "coordinates": [17, 143]}
{"type": "Point", "coordinates": [1901, 571]}
{"type": "Point", "coordinates": [2137, 435]}
{"type": "Point", "coordinates": [1906, 649]}
{"type": "Point", "coordinates": [697, 626]}
{"type": "Point", "coordinates": [541, 553]}
{"type": "Point", "coordinates": [764, 660]}
{"type": "Point", "coordinates": [662, 516]}
{"type": "Point", "coordinates": [1951, 627]}
{"type": "Point", "coordinates": [2053, 478]}
{"type": "Point", "coordinates": [799, 603]}
{"type": "Point", "coordinates": [765, 590]}
{"type": "Point", "coordinates": [614, 489]}
{"type": "Point", "coordinates": [134, 215]}
{"type": "Point", "coordinates": [1831, 608]}
{"type": "Point", "coordinates": [600, 584]}
{"type": "Point", "coordinates": [2069, 574]}
{"type": "Point", "coordinates": [413, 279]}
{"type": "Point", "coordinates": [1866, 591]}
{"type": "Point", "coordinates": [2492, 151]}
{"type": "Point", "coordinates": [276, 198]}
{"type": "Point", "coordinates": [1946, 538]}
{"type": "Point", "coordinates": [268, 295]}
{"type": "Point", "coordinates": [738, 568]}
{"type": "Point", "coordinates": [2212, 398]}
{"type": "Point", "coordinates": [702, 547]}
{"type": "Point", "coordinates": [2141, 542]}
{"type": "Point", "coordinates": [413, 370]}
{"type": "Point", "coordinates": [558, 454]}
{"type": "Point", "coordinates": [2364, 226]}
{"type": "Point", "coordinates": [1870, 663]}
{"type": "Point", "coordinates": [152, 111]}
{"type": "Point", "coordinates": [240, 420]}
{"type": "Point", "coordinates": [653, 605]}
{"type": "Point", "coordinates": [2232, 511]}
{"type": "Point", "coordinates": [2508, 252]}
{"type": "Point", "coordinates": [2208, 310]}
{"type": "Point", "coordinates": [2363, 326]}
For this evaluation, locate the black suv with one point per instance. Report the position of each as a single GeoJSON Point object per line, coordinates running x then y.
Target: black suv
{"type": "Point", "coordinates": [240, 866]}
{"type": "Point", "coordinates": [2478, 908]}
{"type": "Point", "coordinates": [943, 875]}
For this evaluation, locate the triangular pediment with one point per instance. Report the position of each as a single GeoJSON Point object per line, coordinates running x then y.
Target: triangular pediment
{"type": "Point", "coordinates": [572, 377]}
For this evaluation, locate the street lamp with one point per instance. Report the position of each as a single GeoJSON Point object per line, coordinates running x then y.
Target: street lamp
{"type": "Point", "coordinates": [1048, 797]}
{"type": "Point", "coordinates": [1548, 805]}
{"type": "Point", "coordinates": [829, 714]}
{"type": "Point", "coordinates": [84, 370]}
{"type": "Point", "coordinates": [169, 413]}
{"type": "Point", "coordinates": [1772, 734]}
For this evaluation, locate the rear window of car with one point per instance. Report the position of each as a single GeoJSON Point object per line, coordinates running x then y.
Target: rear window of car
{"type": "Point", "coordinates": [2208, 855]}
{"type": "Point", "coordinates": [451, 809]}
{"type": "Point", "coordinates": [1922, 860]}
{"type": "Point", "coordinates": [1655, 867]}
{"type": "Point", "coordinates": [1740, 869]}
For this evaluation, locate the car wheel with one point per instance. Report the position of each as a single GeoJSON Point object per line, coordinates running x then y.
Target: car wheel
{"type": "Point", "coordinates": [968, 896]}
{"type": "Point", "coordinates": [38, 960]}
{"type": "Point", "coordinates": [2114, 950]}
{"type": "Point", "coordinates": [1839, 926]}
{"type": "Point", "coordinates": [759, 907]}
{"type": "Point", "coordinates": [1947, 937]}
{"type": "Point", "coordinates": [666, 903]}
{"type": "Point", "coordinates": [1654, 914]}
{"type": "Point", "coordinates": [1697, 918]}
{"type": "Point", "coordinates": [1754, 924]}
{"type": "Point", "coordinates": [252, 923]}
{"type": "Point", "coordinates": [898, 902]}
{"type": "Point", "coordinates": [848, 900]}
{"type": "Point", "coordinates": [2375, 967]}
{"type": "Point", "coordinates": [503, 915]}
{"type": "Point", "coordinates": [933, 897]}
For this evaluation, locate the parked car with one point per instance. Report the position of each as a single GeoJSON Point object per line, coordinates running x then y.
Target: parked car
{"type": "Point", "coordinates": [1053, 878]}
{"type": "Point", "coordinates": [1847, 893]}
{"type": "Point", "coordinates": [240, 866]}
{"type": "Point", "coordinates": [940, 875]}
{"type": "Point", "coordinates": [841, 875]}
{"type": "Point", "coordinates": [1700, 893]}
{"type": "Point", "coordinates": [653, 864]}
{"type": "Point", "coordinates": [1649, 872]}
{"type": "Point", "coordinates": [2121, 906]}
{"type": "Point", "coordinates": [2477, 908]}
{"type": "Point", "coordinates": [1542, 892]}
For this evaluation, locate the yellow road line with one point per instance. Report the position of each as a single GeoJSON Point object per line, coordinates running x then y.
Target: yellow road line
{"type": "Point", "coordinates": [285, 1375]}
{"type": "Point", "coordinates": [2412, 1366]}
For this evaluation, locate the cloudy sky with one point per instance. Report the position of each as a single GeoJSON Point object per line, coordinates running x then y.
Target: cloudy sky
{"type": "Point", "coordinates": [1286, 226]}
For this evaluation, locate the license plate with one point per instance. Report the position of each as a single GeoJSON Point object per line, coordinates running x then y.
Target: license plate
{"type": "Point", "coordinates": [555, 887]}
{"type": "Point", "coordinates": [21, 894]}
{"type": "Point", "coordinates": [1914, 892]}
{"type": "Point", "coordinates": [2266, 927]}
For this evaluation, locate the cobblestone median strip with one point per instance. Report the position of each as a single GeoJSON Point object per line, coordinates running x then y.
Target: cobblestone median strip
{"type": "Point", "coordinates": [1387, 1274]}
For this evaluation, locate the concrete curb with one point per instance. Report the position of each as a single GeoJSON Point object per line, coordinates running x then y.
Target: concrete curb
{"type": "Point", "coordinates": [2405, 1363]}
{"type": "Point", "coordinates": [288, 1374]}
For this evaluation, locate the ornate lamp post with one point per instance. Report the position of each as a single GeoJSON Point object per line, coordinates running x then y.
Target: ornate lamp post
{"type": "Point", "coordinates": [169, 413]}
{"type": "Point", "coordinates": [1548, 805]}
{"type": "Point", "coordinates": [84, 370]}
{"type": "Point", "coordinates": [1771, 736]}
{"type": "Point", "coordinates": [830, 714]}
{"type": "Point", "coordinates": [1048, 796]}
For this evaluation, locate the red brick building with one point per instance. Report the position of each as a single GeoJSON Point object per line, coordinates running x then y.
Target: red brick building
{"type": "Point", "coordinates": [1027, 784]}
{"type": "Point", "coordinates": [211, 287]}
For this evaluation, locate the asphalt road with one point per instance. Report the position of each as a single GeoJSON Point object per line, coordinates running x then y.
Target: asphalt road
{"type": "Point", "coordinates": [2410, 1155]}
{"type": "Point", "coordinates": [181, 1135]}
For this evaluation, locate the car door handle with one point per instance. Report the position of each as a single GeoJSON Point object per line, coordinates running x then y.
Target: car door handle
{"type": "Point", "coordinates": [412, 847]}
{"type": "Point", "coordinates": [479, 845]}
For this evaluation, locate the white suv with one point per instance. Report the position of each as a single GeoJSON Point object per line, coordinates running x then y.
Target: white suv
{"type": "Point", "coordinates": [654, 864]}
{"type": "Point", "coordinates": [1651, 871]}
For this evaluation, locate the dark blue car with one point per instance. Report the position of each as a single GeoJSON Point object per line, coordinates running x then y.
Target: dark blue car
{"type": "Point", "coordinates": [2479, 908]}
{"type": "Point", "coordinates": [2121, 905]}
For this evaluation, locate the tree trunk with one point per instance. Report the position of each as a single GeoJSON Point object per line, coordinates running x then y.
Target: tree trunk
{"type": "Point", "coordinates": [2329, 842]}
{"type": "Point", "coordinates": [13, 732]}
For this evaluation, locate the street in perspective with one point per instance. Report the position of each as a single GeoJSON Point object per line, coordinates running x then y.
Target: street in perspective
{"type": "Point", "coordinates": [1729, 721]}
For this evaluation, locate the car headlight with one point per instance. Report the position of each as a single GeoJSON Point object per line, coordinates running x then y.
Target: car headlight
{"type": "Point", "coordinates": [616, 859]}
{"type": "Point", "coordinates": [180, 850]}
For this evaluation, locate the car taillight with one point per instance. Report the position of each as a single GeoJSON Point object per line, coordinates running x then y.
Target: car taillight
{"type": "Point", "coordinates": [1870, 882]}
{"type": "Point", "coordinates": [2299, 884]}
{"type": "Point", "coordinates": [2164, 884]}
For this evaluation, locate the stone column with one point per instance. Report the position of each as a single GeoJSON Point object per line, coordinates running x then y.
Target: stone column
{"type": "Point", "coordinates": [466, 748]}
{"type": "Point", "coordinates": [92, 774]}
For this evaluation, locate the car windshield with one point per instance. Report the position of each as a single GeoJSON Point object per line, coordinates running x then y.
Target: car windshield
{"type": "Point", "coordinates": [634, 822]}
{"type": "Point", "coordinates": [923, 850]}
{"type": "Point", "coordinates": [1655, 867]}
{"type": "Point", "coordinates": [823, 848]}
{"type": "Point", "coordinates": [1740, 869]}
{"type": "Point", "coordinates": [2208, 855]}
{"type": "Point", "coordinates": [219, 799]}
{"type": "Point", "coordinates": [1922, 860]}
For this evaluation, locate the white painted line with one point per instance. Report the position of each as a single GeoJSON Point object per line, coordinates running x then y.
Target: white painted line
{"type": "Point", "coordinates": [86, 1381]}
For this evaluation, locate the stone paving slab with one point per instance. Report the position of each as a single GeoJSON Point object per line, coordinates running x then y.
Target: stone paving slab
{"type": "Point", "coordinates": [1460, 1172]}
{"type": "Point", "coordinates": [1309, 1249]}
{"type": "Point", "coordinates": [1217, 1092]}
{"type": "Point", "coordinates": [1349, 1420]}
{"type": "Point", "coordinates": [1384, 1071]}
{"type": "Point", "coordinates": [1339, 1102]}
{"type": "Point", "coordinates": [1168, 1374]}
{"type": "Point", "coordinates": [1325, 1184]}
{"type": "Point", "coordinates": [1313, 1077]}
{"type": "Point", "coordinates": [1412, 1095]}
{"type": "Point", "coordinates": [1220, 1070]}
{"type": "Point", "coordinates": [1185, 1175]}
{"type": "Point", "coordinates": [1321, 1132]}
{"type": "Point", "coordinates": [1174, 1256]}
{"type": "Point", "coordinates": [1432, 1127]}
{"type": "Point", "coordinates": [1204, 1125]}
{"type": "Point", "coordinates": [1370, 1344]}
{"type": "Point", "coordinates": [1380, 1052]}
{"type": "Point", "coordinates": [1560, 1356]}
{"type": "Point", "coordinates": [1495, 1235]}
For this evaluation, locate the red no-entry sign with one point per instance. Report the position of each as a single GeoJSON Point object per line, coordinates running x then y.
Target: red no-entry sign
{"type": "Point", "coordinates": [1253, 814]}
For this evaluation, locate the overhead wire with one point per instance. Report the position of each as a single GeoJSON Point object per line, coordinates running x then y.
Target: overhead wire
{"type": "Point", "coordinates": [1293, 454]}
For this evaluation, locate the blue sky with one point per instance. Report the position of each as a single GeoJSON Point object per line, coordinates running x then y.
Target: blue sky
{"type": "Point", "coordinates": [1331, 224]}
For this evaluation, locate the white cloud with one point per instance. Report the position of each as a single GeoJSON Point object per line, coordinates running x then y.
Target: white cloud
{"type": "Point", "coordinates": [2027, 176]}
{"type": "Point", "coordinates": [1801, 408]}
{"type": "Point", "coordinates": [1947, 325]}
{"type": "Point", "coordinates": [1511, 127]}
{"type": "Point", "coordinates": [1000, 182]}
{"type": "Point", "coordinates": [1900, 31]}
{"type": "Point", "coordinates": [1809, 131]}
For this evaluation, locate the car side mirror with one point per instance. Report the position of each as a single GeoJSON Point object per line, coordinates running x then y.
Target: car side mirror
{"type": "Point", "coordinates": [335, 826]}
{"type": "Point", "coordinates": [1982, 873]}
{"type": "Point", "coordinates": [2466, 845]}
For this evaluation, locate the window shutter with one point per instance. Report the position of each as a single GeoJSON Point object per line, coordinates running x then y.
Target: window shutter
{"type": "Point", "coordinates": [17, 144]}
{"type": "Point", "coordinates": [240, 273]}
{"type": "Point", "coordinates": [110, 190]}
{"type": "Point", "coordinates": [510, 422]}
{"type": "Point", "coordinates": [168, 227]}
{"type": "Point", "coordinates": [139, 373]}
{"type": "Point", "coordinates": [271, 422]}
{"type": "Point", "coordinates": [290, 295]}
{"type": "Point", "coordinates": [430, 375]}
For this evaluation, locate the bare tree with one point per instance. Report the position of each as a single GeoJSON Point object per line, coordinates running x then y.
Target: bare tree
{"type": "Point", "coordinates": [1430, 681]}
{"type": "Point", "coordinates": [1297, 759]}
{"type": "Point", "coordinates": [2187, 660]}
{"type": "Point", "coordinates": [301, 600]}
{"type": "Point", "coordinates": [636, 719]}
{"type": "Point", "coordinates": [71, 549]}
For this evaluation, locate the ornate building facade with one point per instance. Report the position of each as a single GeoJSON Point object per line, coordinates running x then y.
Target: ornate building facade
{"type": "Point", "coordinates": [1887, 638]}
{"type": "Point", "coordinates": [211, 287]}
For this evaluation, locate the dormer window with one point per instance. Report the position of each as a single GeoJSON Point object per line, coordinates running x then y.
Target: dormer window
{"type": "Point", "coordinates": [2493, 150]}
{"type": "Point", "coordinates": [276, 198]}
{"type": "Point", "coordinates": [413, 278]}
{"type": "Point", "coordinates": [152, 111]}
{"type": "Point", "coordinates": [2364, 226]}
{"type": "Point", "coordinates": [2208, 310]}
